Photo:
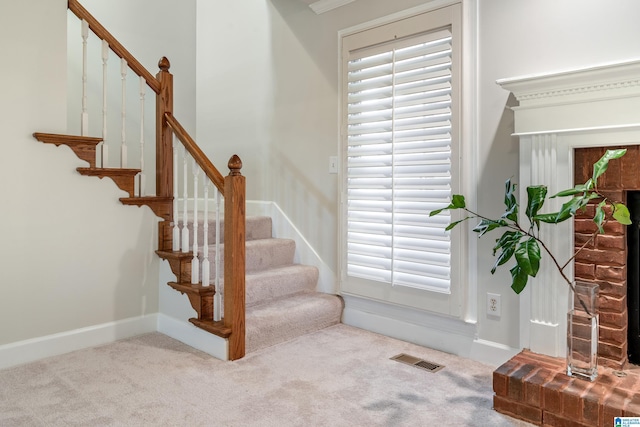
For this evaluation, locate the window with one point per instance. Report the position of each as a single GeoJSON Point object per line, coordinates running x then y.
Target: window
{"type": "Point", "coordinates": [400, 145]}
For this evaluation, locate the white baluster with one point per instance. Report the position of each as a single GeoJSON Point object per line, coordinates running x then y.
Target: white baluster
{"type": "Point", "coordinates": [176, 229]}
{"type": "Point", "coordinates": [123, 135]}
{"type": "Point", "coordinates": [217, 298]}
{"type": "Point", "coordinates": [206, 274]}
{"type": "Point", "coordinates": [195, 262]}
{"type": "Point", "coordinates": [84, 115]}
{"type": "Point", "coordinates": [185, 230]}
{"type": "Point", "coordinates": [141, 176]}
{"type": "Point", "coordinates": [105, 149]}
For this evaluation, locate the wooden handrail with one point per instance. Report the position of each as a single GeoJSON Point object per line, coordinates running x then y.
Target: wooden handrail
{"type": "Point", "coordinates": [233, 186]}
{"type": "Point", "coordinates": [201, 159]}
{"type": "Point", "coordinates": [114, 44]}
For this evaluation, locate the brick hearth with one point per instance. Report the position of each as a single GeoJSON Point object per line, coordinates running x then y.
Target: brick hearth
{"type": "Point", "coordinates": [535, 388]}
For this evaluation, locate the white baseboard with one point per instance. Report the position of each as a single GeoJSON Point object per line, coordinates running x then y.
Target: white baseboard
{"type": "Point", "coordinates": [491, 353]}
{"type": "Point", "coordinates": [305, 253]}
{"type": "Point", "coordinates": [430, 330]}
{"type": "Point", "coordinates": [34, 349]}
{"type": "Point", "coordinates": [187, 333]}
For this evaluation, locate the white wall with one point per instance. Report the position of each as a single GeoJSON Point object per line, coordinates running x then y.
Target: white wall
{"type": "Point", "coordinates": [151, 29]}
{"type": "Point", "coordinates": [529, 37]}
{"type": "Point", "coordinates": [72, 256]}
{"type": "Point", "coordinates": [268, 91]}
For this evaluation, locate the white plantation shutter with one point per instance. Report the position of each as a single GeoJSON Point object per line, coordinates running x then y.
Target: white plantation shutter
{"type": "Point", "coordinates": [399, 161]}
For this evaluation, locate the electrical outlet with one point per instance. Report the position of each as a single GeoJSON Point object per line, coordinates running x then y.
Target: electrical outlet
{"type": "Point", "coordinates": [493, 305]}
{"type": "Point", "coordinates": [333, 164]}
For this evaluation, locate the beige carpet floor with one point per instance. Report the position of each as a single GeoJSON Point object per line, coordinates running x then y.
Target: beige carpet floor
{"type": "Point", "coordinates": [339, 376]}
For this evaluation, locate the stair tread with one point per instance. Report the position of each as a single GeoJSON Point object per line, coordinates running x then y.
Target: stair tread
{"type": "Point", "coordinates": [280, 252]}
{"type": "Point", "coordinates": [279, 282]}
{"type": "Point", "coordinates": [256, 227]}
{"type": "Point", "coordinates": [124, 178]}
{"type": "Point", "coordinates": [291, 301]}
{"type": "Point", "coordinates": [277, 271]}
{"type": "Point", "coordinates": [161, 206]}
{"type": "Point", "coordinates": [256, 242]}
{"type": "Point", "coordinates": [211, 219]}
{"type": "Point", "coordinates": [108, 171]}
{"type": "Point", "coordinates": [55, 138]}
{"type": "Point", "coordinates": [306, 312]}
{"type": "Point", "coordinates": [144, 199]}
{"type": "Point", "coordinates": [83, 146]}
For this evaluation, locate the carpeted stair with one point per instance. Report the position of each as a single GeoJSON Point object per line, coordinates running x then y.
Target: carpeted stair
{"type": "Point", "coordinates": [281, 298]}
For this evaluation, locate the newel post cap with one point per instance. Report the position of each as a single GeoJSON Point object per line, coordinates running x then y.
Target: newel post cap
{"type": "Point", "coordinates": [164, 64]}
{"type": "Point", "coordinates": [235, 164]}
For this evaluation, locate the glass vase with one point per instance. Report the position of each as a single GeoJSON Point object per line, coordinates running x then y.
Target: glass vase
{"type": "Point", "coordinates": [582, 331]}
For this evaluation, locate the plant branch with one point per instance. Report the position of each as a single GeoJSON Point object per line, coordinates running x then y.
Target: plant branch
{"type": "Point", "coordinates": [517, 227]}
{"type": "Point", "coordinates": [584, 245]}
{"type": "Point", "coordinates": [525, 245]}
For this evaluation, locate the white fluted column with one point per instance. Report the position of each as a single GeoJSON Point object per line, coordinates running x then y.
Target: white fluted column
{"type": "Point", "coordinates": [544, 303]}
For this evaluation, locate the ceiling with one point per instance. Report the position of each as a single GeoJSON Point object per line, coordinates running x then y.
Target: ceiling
{"type": "Point", "coordinates": [321, 6]}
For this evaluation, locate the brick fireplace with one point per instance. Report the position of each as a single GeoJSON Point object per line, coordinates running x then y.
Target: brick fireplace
{"type": "Point", "coordinates": [605, 260]}
{"type": "Point", "coordinates": [565, 121]}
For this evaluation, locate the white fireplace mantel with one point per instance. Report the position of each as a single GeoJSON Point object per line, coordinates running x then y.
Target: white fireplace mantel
{"type": "Point", "coordinates": [558, 112]}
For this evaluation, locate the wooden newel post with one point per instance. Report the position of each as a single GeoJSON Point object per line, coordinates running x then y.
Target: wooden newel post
{"type": "Point", "coordinates": [234, 257]}
{"type": "Point", "coordinates": [164, 135]}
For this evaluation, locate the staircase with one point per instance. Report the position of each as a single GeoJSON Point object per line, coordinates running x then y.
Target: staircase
{"type": "Point", "coordinates": [262, 297]}
{"type": "Point", "coordinates": [281, 298]}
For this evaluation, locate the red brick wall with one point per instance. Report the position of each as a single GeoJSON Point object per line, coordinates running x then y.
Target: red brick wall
{"type": "Point", "coordinates": [603, 260]}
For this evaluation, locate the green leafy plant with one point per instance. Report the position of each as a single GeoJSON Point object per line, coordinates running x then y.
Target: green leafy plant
{"type": "Point", "coordinates": [523, 242]}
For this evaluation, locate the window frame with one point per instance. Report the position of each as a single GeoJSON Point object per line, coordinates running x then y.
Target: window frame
{"type": "Point", "coordinates": [456, 302]}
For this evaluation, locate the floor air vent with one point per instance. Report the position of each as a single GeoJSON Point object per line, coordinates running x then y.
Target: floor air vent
{"type": "Point", "coordinates": [418, 363]}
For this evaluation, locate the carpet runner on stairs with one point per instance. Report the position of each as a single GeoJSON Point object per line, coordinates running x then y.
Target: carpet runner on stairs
{"type": "Point", "coordinates": [281, 298]}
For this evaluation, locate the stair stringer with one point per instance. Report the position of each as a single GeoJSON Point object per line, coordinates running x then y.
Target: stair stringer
{"type": "Point", "coordinates": [305, 253]}
{"type": "Point", "coordinates": [174, 308]}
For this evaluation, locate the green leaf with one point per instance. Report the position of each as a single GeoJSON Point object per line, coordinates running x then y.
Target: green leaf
{"type": "Point", "coordinates": [507, 246]}
{"type": "Point", "coordinates": [518, 279]}
{"type": "Point", "coordinates": [487, 225]}
{"type": "Point", "coordinates": [528, 256]}
{"type": "Point", "coordinates": [621, 214]}
{"type": "Point", "coordinates": [453, 224]}
{"type": "Point", "coordinates": [507, 238]}
{"type": "Point", "coordinates": [569, 208]}
{"type": "Point", "coordinates": [598, 218]}
{"type": "Point", "coordinates": [457, 202]}
{"type": "Point", "coordinates": [601, 165]}
{"type": "Point", "coordinates": [580, 188]}
{"type": "Point", "coordinates": [536, 195]}
{"type": "Point", "coordinates": [552, 218]}
{"type": "Point", "coordinates": [511, 212]}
